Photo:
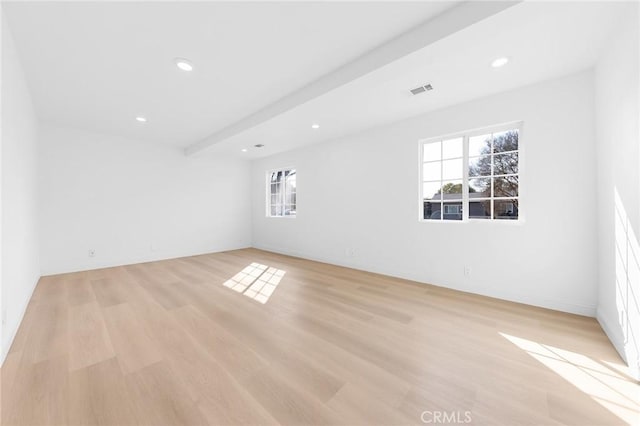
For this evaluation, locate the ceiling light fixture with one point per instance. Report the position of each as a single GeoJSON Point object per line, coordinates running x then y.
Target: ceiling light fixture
{"type": "Point", "coordinates": [184, 64]}
{"type": "Point", "coordinates": [315, 126]}
{"type": "Point", "coordinates": [141, 119]}
{"type": "Point", "coordinates": [244, 150]}
{"type": "Point", "coordinates": [499, 62]}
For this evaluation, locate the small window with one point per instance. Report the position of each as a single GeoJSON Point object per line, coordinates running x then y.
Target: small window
{"type": "Point", "coordinates": [472, 176]}
{"type": "Point", "coordinates": [281, 193]}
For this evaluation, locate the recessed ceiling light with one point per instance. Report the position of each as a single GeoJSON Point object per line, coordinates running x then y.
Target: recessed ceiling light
{"type": "Point", "coordinates": [141, 119]}
{"type": "Point", "coordinates": [499, 62]}
{"type": "Point", "coordinates": [184, 64]}
{"type": "Point", "coordinates": [315, 126]}
{"type": "Point", "coordinates": [244, 150]}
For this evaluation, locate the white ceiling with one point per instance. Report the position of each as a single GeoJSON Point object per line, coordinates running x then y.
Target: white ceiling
{"type": "Point", "coordinates": [98, 65]}
{"type": "Point", "coordinates": [542, 39]}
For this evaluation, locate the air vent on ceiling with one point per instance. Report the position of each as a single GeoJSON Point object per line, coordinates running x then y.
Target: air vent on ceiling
{"type": "Point", "coordinates": [421, 89]}
{"type": "Point", "coordinates": [258, 145]}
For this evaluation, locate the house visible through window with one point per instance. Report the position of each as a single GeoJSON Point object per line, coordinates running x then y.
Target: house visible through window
{"type": "Point", "coordinates": [472, 176]}
{"type": "Point", "coordinates": [281, 193]}
{"type": "Point", "coordinates": [452, 209]}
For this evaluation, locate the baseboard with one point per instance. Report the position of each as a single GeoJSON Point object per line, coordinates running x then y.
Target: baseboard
{"type": "Point", "coordinates": [614, 337]}
{"type": "Point", "coordinates": [556, 305]}
{"type": "Point", "coordinates": [14, 332]}
{"type": "Point", "coordinates": [541, 302]}
{"type": "Point", "coordinates": [617, 340]}
{"type": "Point", "coordinates": [142, 259]}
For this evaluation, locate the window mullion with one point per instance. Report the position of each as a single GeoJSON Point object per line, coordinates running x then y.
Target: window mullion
{"type": "Point", "coordinates": [284, 196]}
{"type": "Point", "coordinates": [280, 196]}
{"type": "Point", "coordinates": [269, 194]}
{"type": "Point", "coordinates": [441, 180]}
{"type": "Point", "coordinates": [421, 186]}
{"type": "Point", "coordinates": [280, 192]}
{"type": "Point", "coordinates": [491, 188]}
{"type": "Point", "coordinates": [465, 178]}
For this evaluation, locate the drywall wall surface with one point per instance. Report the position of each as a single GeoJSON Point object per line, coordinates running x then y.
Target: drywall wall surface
{"type": "Point", "coordinates": [358, 200]}
{"type": "Point", "coordinates": [617, 105]}
{"type": "Point", "coordinates": [20, 252]}
{"type": "Point", "coordinates": [109, 201]}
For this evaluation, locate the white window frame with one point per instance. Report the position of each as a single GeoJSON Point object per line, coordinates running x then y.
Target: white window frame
{"type": "Point", "coordinates": [268, 192]}
{"type": "Point", "coordinates": [466, 135]}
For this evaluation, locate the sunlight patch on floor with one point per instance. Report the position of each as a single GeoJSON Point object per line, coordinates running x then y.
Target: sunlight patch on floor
{"type": "Point", "coordinates": [596, 379]}
{"type": "Point", "coordinates": [256, 281]}
{"type": "Point", "coordinates": [262, 289]}
{"type": "Point", "coordinates": [243, 279]}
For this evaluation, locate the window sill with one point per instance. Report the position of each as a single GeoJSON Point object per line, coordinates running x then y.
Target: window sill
{"type": "Point", "coordinates": [518, 222]}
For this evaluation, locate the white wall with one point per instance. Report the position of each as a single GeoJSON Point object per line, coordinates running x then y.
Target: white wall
{"type": "Point", "coordinates": [2, 311]}
{"type": "Point", "coordinates": [20, 263]}
{"type": "Point", "coordinates": [618, 147]}
{"type": "Point", "coordinates": [361, 193]}
{"type": "Point", "coordinates": [132, 201]}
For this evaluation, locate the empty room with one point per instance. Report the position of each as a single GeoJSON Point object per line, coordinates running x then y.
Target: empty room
{"type": "Point", "coordinates": [320, 213]}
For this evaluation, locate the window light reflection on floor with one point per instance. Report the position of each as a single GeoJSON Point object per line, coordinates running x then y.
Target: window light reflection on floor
{"type": "Point", "coordinates": [593, 378]}
{"type": "Point", "coordinates": [244, 278]}
{"type": "Point", "coordinates": [262, 289]}
{"type": "Point", "coordinates": [256, 281]}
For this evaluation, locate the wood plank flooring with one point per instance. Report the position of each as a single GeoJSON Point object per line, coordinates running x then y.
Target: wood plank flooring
{"type": "Point", "coordinates": [249, 337]}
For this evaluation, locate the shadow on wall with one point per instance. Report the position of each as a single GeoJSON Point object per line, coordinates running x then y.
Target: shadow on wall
{"type": "Point", "coordinates": [627, 284]}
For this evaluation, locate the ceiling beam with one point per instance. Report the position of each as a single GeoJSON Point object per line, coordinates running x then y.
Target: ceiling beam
{"type": "Point", "coordinates": [429, 32]}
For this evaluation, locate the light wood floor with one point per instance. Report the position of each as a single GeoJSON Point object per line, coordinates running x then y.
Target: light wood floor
{"type": "Point", "coordinates": [190, 341]}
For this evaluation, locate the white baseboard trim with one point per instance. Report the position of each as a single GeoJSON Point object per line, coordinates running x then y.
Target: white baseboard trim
{"type": "Point", "coordinates": [143, 259]}
{"type": "Point", "coordinates": [614, 337]}
{"type": "Point", "coordinates": [556, 305]}
{"type": "Point", "coordinates": [617, 341]}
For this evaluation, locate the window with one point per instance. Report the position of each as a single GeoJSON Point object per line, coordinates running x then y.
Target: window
{"type": "Point", "coordinates": [452, 209]}
{"type": "Point", "coordinates": [473, 176]}
{"type": "Point", "coordinates": [281, 193]}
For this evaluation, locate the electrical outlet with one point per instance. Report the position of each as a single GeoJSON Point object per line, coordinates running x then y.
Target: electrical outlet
{"type": "Point", "coordinates": [92, 253]}
{"type": "Point", "coordinates": [350, 252]}
{"type": "Point", "coordinates": [467, 271]}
